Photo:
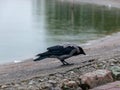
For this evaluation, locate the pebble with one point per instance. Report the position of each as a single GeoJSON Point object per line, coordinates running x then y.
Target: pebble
{"type": "Point", "coordinates": [32, 88]}
{"type": "Point", "coordinates": [72, 84]}
{"type": "Point", "coordinates": [47, 86]}
{"type": "Point", "coordinates": [4, 86]}
{"type": "Point", "coordinates": [31, 82]}
{"type": "Point", "coordinates": [41, 80]}
{"type": "Point", "coordinates": [16, 85]}
{"type": "Point", "coordinates": [52, 81]}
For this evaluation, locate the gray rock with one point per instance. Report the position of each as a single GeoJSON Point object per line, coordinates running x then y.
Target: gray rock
{"type": "Point", "coordinates": [96, 78]}
{"type": "Point", "coordinates": [116, 72]}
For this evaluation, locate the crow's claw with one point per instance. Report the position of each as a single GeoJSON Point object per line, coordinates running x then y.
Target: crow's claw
{"type": "Point", "coordinates": [68, 64]}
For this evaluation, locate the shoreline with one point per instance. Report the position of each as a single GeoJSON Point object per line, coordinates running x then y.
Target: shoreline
{"type": "Point", "coordinates": [96, 2]}
{"type": "Point", "coordinates": [98, 49]}
{"type": "Point", "coordinates": [28, 73]}
{"type": "Point", "coordinates": [87, 45]}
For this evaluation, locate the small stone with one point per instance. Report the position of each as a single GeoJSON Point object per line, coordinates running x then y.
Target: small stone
{"type": "Point", "coordinates": [51, 74]}
{"type": "Point", "coordinates": [41, 80]}
{"type": "Point", "coordinates": [72, 72]}
{"type": "Point", "coordinates": [79, 88]}
{"type": "Point", "coordinates": [59, 75]}
{"type": "Point", "coordinates": [56, 88]}
{"type": "Point", "coordinates": [3, 86]}
{"type": "Point", "coordinates": [71, 84]}
{"type": "Point", "coordinates": [65, 80]}
{"type": "Point", "coordinates": [112, 60]}
{"type": "Point", "coordinates": [32, 88]}
{"type": "Point", "coordinates": [16, 85]}
{"type": "Point", "coordinates": [100, 64]}
{"type": "Point", "coordinates": [52, 81]}
{"type": "Point", "coordinates": [47, 86]}
{"type": "Point", "coordinates": [104, 62]}
{"type": "Point", "coordinates": [112, 64]}
{"type": "Point", "coordinates": [31, 82]}
{"type": "Point", "coordinates": [22, 88]}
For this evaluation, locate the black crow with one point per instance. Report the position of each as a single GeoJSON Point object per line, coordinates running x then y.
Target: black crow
{"type": "Point", "coordinates": [61, 52]}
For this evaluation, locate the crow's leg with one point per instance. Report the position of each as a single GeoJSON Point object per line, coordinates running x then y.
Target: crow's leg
{"type": "Point", "coordinates": [64, 62]}
{"type": "Point", "coordinates": [61, 60]}
{"type": "Point", "coordinates": [63, 57]}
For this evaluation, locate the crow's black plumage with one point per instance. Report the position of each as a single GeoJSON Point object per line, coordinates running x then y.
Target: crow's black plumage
{"type": "Point", "coordinates": [61, 52]}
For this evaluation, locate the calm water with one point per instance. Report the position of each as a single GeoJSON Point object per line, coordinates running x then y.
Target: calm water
{"type": "Point", "coordinates": [28, 27]}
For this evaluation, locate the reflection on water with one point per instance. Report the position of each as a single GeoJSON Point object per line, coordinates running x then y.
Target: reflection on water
{"type": "Point", "coordinates": [79, 23]}
{"type": "Point", "coordinates": [27, 27]}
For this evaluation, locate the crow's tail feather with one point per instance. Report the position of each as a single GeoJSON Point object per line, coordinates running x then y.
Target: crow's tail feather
{"type": "Point", "coordinates": [38, 55]}
{"type": "Point", "coordinates": [39, 58]}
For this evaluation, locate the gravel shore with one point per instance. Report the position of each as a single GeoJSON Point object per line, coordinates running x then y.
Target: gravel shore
{"type": "Point", "coordinates": [29, 75]}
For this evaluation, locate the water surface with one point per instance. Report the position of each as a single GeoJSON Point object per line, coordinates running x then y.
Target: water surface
{"type": "Point", "coordinates": [28, 27]}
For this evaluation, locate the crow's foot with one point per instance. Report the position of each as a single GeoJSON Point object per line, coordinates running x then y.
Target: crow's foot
{"type": "Point", "coordinates": [68, 64]}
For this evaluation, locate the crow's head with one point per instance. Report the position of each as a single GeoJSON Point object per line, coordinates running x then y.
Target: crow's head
{"type": "Point", "coordinates": [82, 51]}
